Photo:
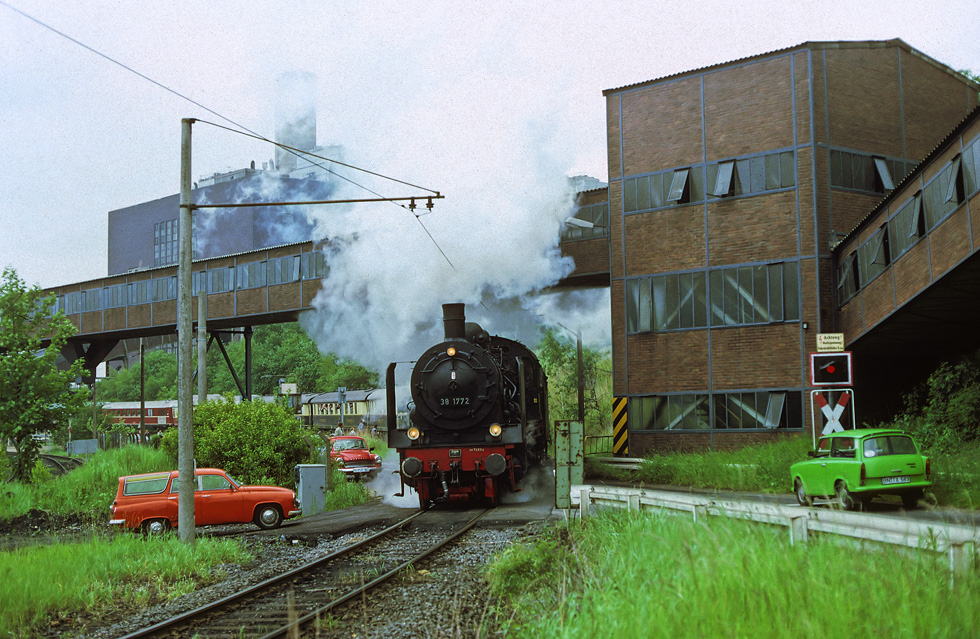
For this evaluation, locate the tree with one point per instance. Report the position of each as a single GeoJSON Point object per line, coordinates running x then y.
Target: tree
{"type": "Point", "coordinates": [34, 393]}
{"type": "Point", "coordinates": [255, 442]}
{"type": "Point", "coordinates": [279, 351]}
{"type": "Point", "coordinates": [557, 354]}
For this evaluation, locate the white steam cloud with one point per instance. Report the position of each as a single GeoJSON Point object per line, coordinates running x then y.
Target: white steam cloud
{"type": "Point", "coordinates": [493, 245]}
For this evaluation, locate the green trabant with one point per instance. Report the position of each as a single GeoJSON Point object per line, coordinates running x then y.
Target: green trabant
{"type": "Point", "coordinates": [855, 466]}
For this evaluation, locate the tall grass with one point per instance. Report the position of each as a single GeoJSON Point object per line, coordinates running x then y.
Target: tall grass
{"type": "Point", "coordinates": [760, 468]}
{"type": "Point", "coordinates": [86, 491]}
{"type": "Point", "coordinates": [655, 575]}
{"type": "Point", "coordinates": [956, 477]}
{"type": "Point", "coordinates": [41, 584]}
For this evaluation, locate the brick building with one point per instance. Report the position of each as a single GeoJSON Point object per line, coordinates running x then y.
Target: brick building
{"type": "Point", "coordinates": [728, 188]}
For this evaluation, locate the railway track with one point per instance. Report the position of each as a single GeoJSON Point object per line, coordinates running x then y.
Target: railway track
{"type": "Point", "coordinates": [288, 603]}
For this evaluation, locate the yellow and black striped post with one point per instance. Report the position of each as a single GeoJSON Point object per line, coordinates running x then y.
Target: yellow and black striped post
{"type": "Point", "coordinates": [621, 445]}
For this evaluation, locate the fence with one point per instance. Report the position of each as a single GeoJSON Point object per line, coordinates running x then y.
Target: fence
{"type": "Point", "coordinates": [959, 543]}
{"type": "Point", "coordinates": [598, 444]}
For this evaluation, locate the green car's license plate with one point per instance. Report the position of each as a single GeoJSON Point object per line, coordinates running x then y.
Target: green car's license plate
{"type": "Point", "coordinates": [904, 479]}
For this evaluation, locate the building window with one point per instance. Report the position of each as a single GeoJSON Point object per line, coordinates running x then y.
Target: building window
{"type": "Point", "coordinates": [666, 302]}
{"type": "Point", "coordinates": [73, 303]}
{"type": "Point", "coordinates": [738, 296]}
{"type": "Point", "coordinates": [115, 296]}
{"type": "Point", "coordinates": [588, 222]}
{"type": "Point", "coordinates": [199, 282]}
{"type": "Point", "coordinates": [943, 194]}
{"type": "Point", "coordinates": [681, 186]}
{"type": "Point", "coordinates": [139, 292]}
{"type": "Point", "coordinates": [865, 172]}
{"type": "Point", "coordinates": [752, 175]}
{"type": "Point", "coordinates": [165, 243]}
{"type": "Point", "coordinates": [906, 227]}
{"type": "Point", "coordinates": [971, 163]}
{"type": "Point", "coordinates": [252, 275]}
{"type": "Point", "coordinates": [221, 280]}
{"type": "Point", "coordinates": [284, 270]}
{"type": "Point", "coordinates": [848, 282]}
{"type": "Point", "coordinates": [92, 300]}
{"type": "Point", "coordinates": [874, 255]}
{"type": "Point", "coordinates": [758, 294]}
{"type": "Point", "coordinates": [314, 265]}
{"type": "Point", "coordinates": [744, 410]}
{"type": "Point", "coordinates": [164, 288]}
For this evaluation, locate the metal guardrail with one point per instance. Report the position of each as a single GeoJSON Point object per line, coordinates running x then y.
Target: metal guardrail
{"type": "Point", "coordinates": [959, 543]}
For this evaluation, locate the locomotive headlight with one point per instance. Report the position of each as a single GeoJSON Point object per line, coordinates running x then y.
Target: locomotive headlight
{"type": "Point", "coordinates": [495, 430]}
{"type": "Point", "coordinates": [414, 433]}
{"type": "Point", "coordinates": [451, 351]}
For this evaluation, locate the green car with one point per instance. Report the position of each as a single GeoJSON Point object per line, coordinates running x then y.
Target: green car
{"type": "Point", "coordinates": [855, 466]}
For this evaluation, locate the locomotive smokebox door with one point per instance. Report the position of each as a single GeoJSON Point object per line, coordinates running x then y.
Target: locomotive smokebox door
{"type": "Point", "coordinates": [569, 461]}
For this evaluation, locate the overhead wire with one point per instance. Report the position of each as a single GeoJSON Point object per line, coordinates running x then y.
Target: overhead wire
{"type": "Point", "coordinates": [243, 128]}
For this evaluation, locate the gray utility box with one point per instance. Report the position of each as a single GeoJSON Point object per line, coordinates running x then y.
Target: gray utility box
{"type": "Point", "coordinates": [311, 487]}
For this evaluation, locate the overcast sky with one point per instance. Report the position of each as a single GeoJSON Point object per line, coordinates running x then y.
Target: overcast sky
{"type": "Point", "coordinates": [433, 93]}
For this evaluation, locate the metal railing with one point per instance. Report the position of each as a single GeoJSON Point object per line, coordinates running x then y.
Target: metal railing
{"type": "Point", "coordinates": [959, 543]}
{"type": "Point", "coordinates": [598, 444]}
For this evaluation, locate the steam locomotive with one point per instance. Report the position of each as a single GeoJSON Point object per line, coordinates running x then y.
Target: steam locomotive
{"type": "Point", "coordinates": [477, 421]}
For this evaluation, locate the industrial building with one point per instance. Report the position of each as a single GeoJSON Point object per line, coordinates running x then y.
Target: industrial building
{"type": "Point", "coordinates": [729, 188]}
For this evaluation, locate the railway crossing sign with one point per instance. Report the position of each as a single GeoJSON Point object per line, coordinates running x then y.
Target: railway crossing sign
{"type": "Point", "coordinates": [832, 409]}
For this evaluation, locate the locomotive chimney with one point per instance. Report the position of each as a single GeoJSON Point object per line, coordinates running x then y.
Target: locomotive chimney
{"type": "Point", "coordinates": [454, 320]}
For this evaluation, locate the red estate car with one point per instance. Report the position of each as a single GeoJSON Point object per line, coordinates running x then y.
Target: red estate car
{"type": "Point", "coordinates": [149, 502]}
{"type": "Point", "coordinates": [355, 459]}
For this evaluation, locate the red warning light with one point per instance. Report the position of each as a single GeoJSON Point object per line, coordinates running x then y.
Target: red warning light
{"type": "Point", "coordinates": [830, 369]}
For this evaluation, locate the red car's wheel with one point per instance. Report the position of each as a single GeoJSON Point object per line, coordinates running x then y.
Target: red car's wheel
{"type": "Point", "coordinates": [267, 516]}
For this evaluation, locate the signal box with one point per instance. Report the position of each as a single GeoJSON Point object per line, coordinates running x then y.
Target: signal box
{"type": "Point", "coordinates": [831, 369]}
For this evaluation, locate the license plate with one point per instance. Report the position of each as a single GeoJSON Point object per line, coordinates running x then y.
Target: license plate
{"type": "Point", "coordinates": [904, 479]}
{"type": "Point", "coordinates": [361, 470]}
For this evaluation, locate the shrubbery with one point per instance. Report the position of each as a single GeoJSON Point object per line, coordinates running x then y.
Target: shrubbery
{"type": "Point", "coordinates": [255, 442]}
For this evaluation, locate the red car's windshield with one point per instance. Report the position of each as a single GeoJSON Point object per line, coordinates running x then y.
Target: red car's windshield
{"type": "Point", "coordinates": [349, 444]}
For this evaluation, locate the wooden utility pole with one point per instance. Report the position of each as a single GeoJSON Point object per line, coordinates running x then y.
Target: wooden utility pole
{"type": "Point", "coordinates": [185, 393]}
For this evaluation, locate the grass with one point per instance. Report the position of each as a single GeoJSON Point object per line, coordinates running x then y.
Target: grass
{"type": "Point", "coordinates": [655, 575]}
{"type": "Point", "coordinates": [101, 574]}
{"type": "Point", "coordinates": [761, 468]}
{"type": "Point", "coordinates": [85, 491]}
{"type": "Point", "coordinates": [764, 468]}
{"type": "Point", "coordinates": [956, 477]}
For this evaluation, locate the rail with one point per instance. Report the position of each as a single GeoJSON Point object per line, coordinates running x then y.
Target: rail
{"type": "Point", "coordinates": [598, 444]}
{"type": "Point", "coordinates": [959, 543]}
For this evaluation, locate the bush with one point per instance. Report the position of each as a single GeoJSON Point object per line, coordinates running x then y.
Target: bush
{"type": "Point", "coordinates": [946, 411]}
{"type": "Point", "coordinates": [254, 442]}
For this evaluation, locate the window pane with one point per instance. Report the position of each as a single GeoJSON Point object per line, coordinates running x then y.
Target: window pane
{"type": "Point", "coordinates": [721, 410]}
{"type": "Point", "coordinates": [657, 190]}
{"type": "Point", "coordinates": [685, 289]}
{"type": "Point", "coordinates": [672, 302]}
{"type": "Point", "coordinates": [722, 179]}
{"type": "Point", "coordinates": [791, 290]}
{"type": "Point", "coordinates": [772, 171]}
{"type": "Point", "coordinates": [655, 412]}
{"type": "Point", "coordinates": [659, 304]}
{"type": "Point", "coordinates": [700, 303]}
{"type": "Point", "coordinates": [731, 296]}
{"type": "Point", "coordinates": [646, 305]}
{"type": "Point", "coordinates": [776, 293]}
{"type": "Point", "coordinates": [695, 185]}
{"type": "Point", "coordinates": [760, 297]}
{"type": "Point", "coordinates": [746, 309]}
{"type": "Point", "coordinates": [678, 185]}
{"type": "Point", "coordinates": [629, 195]}
{"type": "Point", "coordinates": [884, 175]}
{"type": "Point", "coordinates": [787, 169]}
{"type": "Point", "coordinates": [757, 166]}
{"type": "Point", "coordinates": [774, 409]}
{"type": "Point", "coordinates": [835, 169]}
{"type": "Point", "coordinates": [846, 170]}
{"type": "Point", "coordinates": [857, 171]}
{"type": "Point", "coordinates": [743, 180]}
{"type": "Point", "coordinates": [642, 193]}
{"type": "Point", "coordinates": [717, 288]}
{"type": "Point", "coordinates": [632, 305]}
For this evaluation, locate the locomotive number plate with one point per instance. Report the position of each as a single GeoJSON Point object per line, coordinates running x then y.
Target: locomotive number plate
{"type": "Point", "coordinates": [455, 452]}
